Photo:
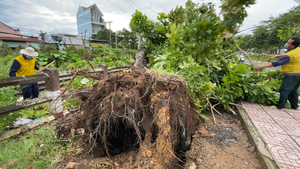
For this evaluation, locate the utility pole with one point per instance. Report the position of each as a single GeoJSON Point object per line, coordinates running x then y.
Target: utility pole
{"type": "Point", "coordinates": [116, 40]}
{"type": "Point", "coordinates": [109, 31]}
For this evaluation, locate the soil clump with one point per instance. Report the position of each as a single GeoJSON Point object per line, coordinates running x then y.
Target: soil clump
{"type": "Point", "coordinates": [141, 113]}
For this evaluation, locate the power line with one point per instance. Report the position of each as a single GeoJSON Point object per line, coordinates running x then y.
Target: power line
{"type": "Point", "coordinates": [149, 6]}
{"type": "Point", "coordinates": [25, 29]}
{"type": "Point", "coordinates": [136, 6]}
{"type": "Point", "coordinates": [15, 34]}
{"type": "Point", "coordinates": [17, 4]}
{"type": "Point", "coordinates": [118, 7]}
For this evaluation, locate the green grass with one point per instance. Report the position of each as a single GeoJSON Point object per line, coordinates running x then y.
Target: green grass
{"type": "Point", "coordinates": [259, 58]}
{"type": "Point", "coordinates": [5, 66]}
{"type": "Point", "coordinates": [39, 148]}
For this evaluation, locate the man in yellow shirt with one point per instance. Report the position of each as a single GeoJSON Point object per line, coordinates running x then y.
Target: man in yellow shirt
{"type": "Point", "coordinates": [290, 68]}
{"type": "Point", "coordinates": [25, 65]}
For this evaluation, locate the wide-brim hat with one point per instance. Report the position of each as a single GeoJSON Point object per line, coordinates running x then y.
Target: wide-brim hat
{"type": "Point", "coordinates": [29, 51]}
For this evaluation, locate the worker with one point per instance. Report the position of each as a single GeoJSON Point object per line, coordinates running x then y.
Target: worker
{"type": "Point", "coordinates": [25, 65]}
{"type": "Point", "coordinates": [290, 68]}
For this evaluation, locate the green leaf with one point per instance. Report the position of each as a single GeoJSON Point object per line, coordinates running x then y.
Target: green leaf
{"type": "Point", "coordinates": [204, 117]}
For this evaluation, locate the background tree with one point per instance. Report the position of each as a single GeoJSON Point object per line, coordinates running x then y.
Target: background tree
{"type": "Point", "coordinates": [272, 34]}
{"type": "Point", "coordinates": [5, 50]}
{"type": "Point", "coordinates": [129, 40]}
{"type": "Point", "coordinates": [105, 34]}
{"type": "Point", "coordinates": [42, 34]}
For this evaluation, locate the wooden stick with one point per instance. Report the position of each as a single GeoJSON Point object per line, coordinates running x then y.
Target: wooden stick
{"type": "Point", "coordinates": [245, 54]}
{"type": "Point", "coordinates": [211, 107]}
{"type": "Point", "coordinates": [228, 102]}
{"type": "Point", "coordinates": [45, 67]}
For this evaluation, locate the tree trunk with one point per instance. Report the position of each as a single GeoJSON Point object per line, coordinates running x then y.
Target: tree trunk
{"type": "Point", "coordinates": [140, 56]}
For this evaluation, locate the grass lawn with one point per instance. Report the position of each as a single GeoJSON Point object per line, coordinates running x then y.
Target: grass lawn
{"type": "Point", "coordinates": [38, 148]}
{"type": "Point", "coordinates": [260, 58]}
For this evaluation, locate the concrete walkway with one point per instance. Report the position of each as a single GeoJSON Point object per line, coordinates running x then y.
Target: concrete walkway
{"type": "Point", "coordinates": [280, 130]}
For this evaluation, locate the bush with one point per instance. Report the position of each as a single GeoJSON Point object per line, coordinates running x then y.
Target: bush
{"type": "Point", "coordinates": [5, 50]}
{"type": "Point", "coordinates": [5, 66]}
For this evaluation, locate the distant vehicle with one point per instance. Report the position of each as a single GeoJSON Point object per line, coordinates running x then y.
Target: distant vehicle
{"type": "Point", "coordinates": [241, 57]}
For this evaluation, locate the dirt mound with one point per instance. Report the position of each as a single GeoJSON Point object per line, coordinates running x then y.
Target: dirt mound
{"type": "Point", "coordinates": [141, 110]}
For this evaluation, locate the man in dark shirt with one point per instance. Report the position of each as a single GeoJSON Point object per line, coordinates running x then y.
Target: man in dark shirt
{"type": "Point", "coordinates": [290, 68]}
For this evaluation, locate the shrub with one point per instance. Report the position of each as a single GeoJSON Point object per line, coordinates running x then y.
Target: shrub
{"type": "Point", "coordinates": [5, 50]}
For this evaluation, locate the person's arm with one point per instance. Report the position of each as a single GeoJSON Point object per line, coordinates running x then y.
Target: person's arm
{"type": "Point", "coordinates": [14, 68]}
{"type": "Point", "coordinates": [275, 56]}
{"type": "Point", "coordinates": [281, 61]}
{"type": "Point", "coordinates": [36, 67]}
{"type": "Point", "coordinates": [263, 66]}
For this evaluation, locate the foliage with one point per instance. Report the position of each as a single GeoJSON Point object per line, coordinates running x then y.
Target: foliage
{"type": "Point", "coordinates": [5, 50]}
{"type": "Point", "coordinates": [5, 63]}
{"type": "Point", "coordinates": [61, 57]}
{"type": "Point", "coordinates": [38, 148]}
{"type": "Point", "coordinates": [274, 32]}
{"type": "Point", "coordinates": [71, 103]}
{"type": "Point", "coordinates": [154, 34]}
{"type": "Point", "coordinates": [7, 97]}
{"type": "Point", "coordinates": [42, 34]}
{"type": "Point", "coordinates": [129, 40]}
{"type": "Point", "coordinates": [285, 32]}
{"type": "Point", "coordinates": [46, 48]}
{"type": "Point", "coordinates": [108, 35]}
{"type": "Point", "coordinates": [194, 50]}
{"type": "Point", "coordinates": [234, 11]}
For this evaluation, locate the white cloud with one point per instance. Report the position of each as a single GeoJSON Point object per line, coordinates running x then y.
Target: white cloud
{"type": "Point", "coordinates": [55, 16]}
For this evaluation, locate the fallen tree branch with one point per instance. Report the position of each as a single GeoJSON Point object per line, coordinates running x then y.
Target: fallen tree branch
{"type": "Point", "coordinates": [87, 74]}
{"type": "Point", "coordinates": [211, 107]}
{"type": "Point", "coordinates": [245, 54]}
{"type": "Point", "coordinates": [215, 98]}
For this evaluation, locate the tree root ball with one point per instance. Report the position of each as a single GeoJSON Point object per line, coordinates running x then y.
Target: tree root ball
{"type": "Point", "coordinates": [140, 110]}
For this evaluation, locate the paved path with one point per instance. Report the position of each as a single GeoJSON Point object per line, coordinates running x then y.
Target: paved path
{"type": "Point", "coordinates": [280, 129]}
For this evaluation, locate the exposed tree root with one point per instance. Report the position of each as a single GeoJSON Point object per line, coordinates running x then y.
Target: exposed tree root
{"type": "Point", "coordinates": [141, 110]}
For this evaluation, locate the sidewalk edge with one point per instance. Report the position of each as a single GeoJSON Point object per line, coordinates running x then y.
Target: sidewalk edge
{"type": "Point", "coordinates": [264, 153]}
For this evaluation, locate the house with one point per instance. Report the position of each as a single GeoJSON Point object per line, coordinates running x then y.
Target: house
{"type": "Point", "coordinates": [13, 37]}
{"type": "Point", "coordinates": [89, 20]}
{"type": "Point", "coordinates": [63, 41]}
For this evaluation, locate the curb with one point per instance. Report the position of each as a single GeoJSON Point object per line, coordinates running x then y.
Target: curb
{"type": "Point", "coordinates": [265, 155]}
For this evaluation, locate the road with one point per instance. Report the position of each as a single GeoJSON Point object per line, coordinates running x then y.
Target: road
{"type": "Point", "coordinates": [263, 63]}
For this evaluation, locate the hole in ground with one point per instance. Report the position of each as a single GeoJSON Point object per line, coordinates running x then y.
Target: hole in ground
{"type": "Point", "coordinates": [122, 138]}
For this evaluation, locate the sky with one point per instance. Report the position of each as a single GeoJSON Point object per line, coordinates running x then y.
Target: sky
{"type": "Point", "coordinates": [57, 16]}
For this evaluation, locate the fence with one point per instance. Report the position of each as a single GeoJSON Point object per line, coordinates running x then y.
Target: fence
{"type": "Point", "coordinates": [50, 81]}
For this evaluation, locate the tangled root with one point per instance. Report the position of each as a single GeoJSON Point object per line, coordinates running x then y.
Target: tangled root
{"type": "Point", "coordinates": [141, 110]}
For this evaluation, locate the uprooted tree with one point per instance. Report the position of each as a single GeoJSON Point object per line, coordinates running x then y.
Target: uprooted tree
{"type": "Point", "coordinates": [156, 113]}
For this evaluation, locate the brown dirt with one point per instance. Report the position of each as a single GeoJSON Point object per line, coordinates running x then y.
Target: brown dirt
{"type": "Point", "coordinates": [143, 119]}
{"type": "Point", "coordinates": [224, 145]}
